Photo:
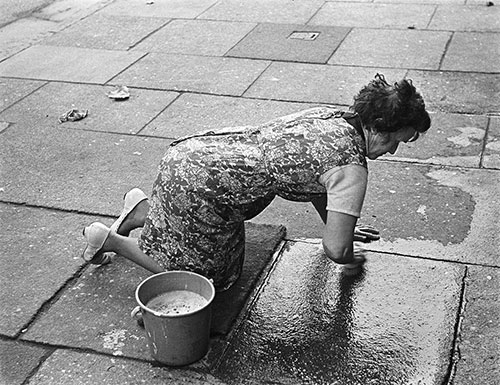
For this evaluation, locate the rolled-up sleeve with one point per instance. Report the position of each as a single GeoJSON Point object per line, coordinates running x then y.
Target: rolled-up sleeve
{"type": "Point", "coordinates": [346, 188]}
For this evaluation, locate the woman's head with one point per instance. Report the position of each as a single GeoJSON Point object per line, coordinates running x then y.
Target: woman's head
{"type": "Point", "coordinates": [390, 114]}
{"type": "Point", "coordinates": [383, 107]}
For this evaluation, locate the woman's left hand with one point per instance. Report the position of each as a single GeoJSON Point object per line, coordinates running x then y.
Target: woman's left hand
{"type": "Point", "coordinates": [366, 234]}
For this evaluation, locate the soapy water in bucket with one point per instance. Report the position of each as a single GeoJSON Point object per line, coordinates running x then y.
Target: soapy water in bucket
{"type": "Point", "coordinates": [176, 302]}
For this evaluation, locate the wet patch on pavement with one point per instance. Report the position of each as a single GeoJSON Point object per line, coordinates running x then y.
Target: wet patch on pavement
{"type": "Point", "coordinates": [312, 324]}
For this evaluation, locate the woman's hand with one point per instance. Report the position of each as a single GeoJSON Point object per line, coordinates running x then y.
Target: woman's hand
{"type": "Point", "coordinates": [366, 234]}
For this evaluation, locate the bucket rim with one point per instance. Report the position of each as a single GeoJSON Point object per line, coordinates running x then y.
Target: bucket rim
{"type": "Point", "coordinates": [145, 308]}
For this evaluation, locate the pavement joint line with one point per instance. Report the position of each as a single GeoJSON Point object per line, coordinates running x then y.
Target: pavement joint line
{"type": "Point", "coordinates": [149, 34]}
{"type": "Point", "coordinates": [54, 298]}
{"type": "Point", "coordinates": [485, 141]}
{"type": "Point", "coordinates": [24, 97]}
{"type": "Point", "coordinates": [445, 51]}
{"type": "Point", "coordinates": [455, 356]}
{"type": "Point", "coordinates": [138, 133]}
{"type": "Point", "coordinates": [56, 209]}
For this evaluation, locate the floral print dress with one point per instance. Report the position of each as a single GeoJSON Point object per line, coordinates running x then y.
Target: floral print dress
{"type": "Point", "coordinates": [210, 183]}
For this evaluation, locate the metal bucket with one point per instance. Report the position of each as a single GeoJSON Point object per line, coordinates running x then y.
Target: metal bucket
{"type": "Point", "coordinates": [176, 339]}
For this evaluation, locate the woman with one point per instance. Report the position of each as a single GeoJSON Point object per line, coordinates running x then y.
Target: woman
{"type": "Point", "coordinates": [208, 184]}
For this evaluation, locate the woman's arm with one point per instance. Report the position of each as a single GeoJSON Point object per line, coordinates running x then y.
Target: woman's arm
{"type": "Point", "coordinates": [338, 237]}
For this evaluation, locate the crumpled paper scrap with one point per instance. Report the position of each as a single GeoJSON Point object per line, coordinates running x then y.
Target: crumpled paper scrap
{"type": "Point", "coordinates": [119, 93]}
{"type": "Point", "coordinates": [73, 115]}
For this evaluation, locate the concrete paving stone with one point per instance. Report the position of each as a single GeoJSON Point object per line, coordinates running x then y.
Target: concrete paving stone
{"type": "Point", "coordinates": [276, 42]}
{"type": "Point", "coordinates": [422, 211]}
{"type": "Point", "coordinates": [466, 18]}
{"type": "Point", "coordinates": [263, 11]}
{"type": "Point", "coordinates": [20, 34]}
{"type": "Point", "coordinates": [13, 90]}
{"type": "Point", "coordinates": [181, 9]}
{"type": "Point", "coordinates": [408, 49]}
{"type": "Point", "coordinates": [104, 31]}
{"type": "Point", "coordinates": [94, 312]}
{"type": "Point", "coordinates": [491, 156]}
{"type": "Point", "coordinates": [192, 113]}
{"type": "Point", "coordinates": [47, 104]}
{"type": "Point", "coordinates": [474, 93]}
{"type": "Point", "coordinates": [476, 52]}
{"type": "Point", "coordinates": [77, 368]}
{"type": "Point", "coordinates": [372, 15]}
{"type": "Point", "coordinates": [314, 83]}
{"type": "Point", "coordinates": [436, 212]}
{"type": "Point", "coordinates": [40, 254]}
{"type": "Point", "coordinates": [74, 169]}
{"type": "Point", "coordinates": [66, 12]}
{"type": "Point", "coordinates": [452, 140]}
{"type": "Point", "coordinates": [71, 64]}
{"type": "Point", "coordinates": [216, 75]}
{"type": "Point", "coordinates": [18, 360]}
{"type": "Point", "coordinates": [310, 323]}
{"type": "Point", "coordinates": [479, 341]}
{"type": "Point", "coordinates": [196, 37]}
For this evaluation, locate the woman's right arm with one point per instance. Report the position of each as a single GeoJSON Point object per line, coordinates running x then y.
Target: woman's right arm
{"type": "Point", "coordinates": [338, 236]}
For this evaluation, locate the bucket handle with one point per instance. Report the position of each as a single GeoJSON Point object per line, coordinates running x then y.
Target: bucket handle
{"type": "Point", "coordinates": [135, 313]}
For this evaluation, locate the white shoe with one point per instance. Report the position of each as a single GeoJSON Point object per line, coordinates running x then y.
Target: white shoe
{"type": "Point", "coordinates": [95, 234]}
{"type": "Point", "coordinates": [132, 199]}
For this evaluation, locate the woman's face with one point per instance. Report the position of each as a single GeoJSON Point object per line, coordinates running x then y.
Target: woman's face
{"type": "Point", "coordinates": [380, 143]}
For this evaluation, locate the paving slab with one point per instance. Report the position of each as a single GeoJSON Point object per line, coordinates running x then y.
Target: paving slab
{"type": "Point", "coordinates": [474, 93]}
{"type": "Point", "coordinates": [408, 49]}
{"type": "Point", "coordinates": [453, 140]}
{"type": "Point", "coordinates": [70, 64]}
{"type": "Point", "coordinates": [491, 158]}
{"type": "Point", "coordinates": [78, 368]}
{"type": "Point", "coordinates": [466, 18]}
{"type": "Point", "coordinates": [35, 241]}
{"type": "Point", "coordinates": [13, 90]}
{"type": "Point", "coordinates": [479, 341]}
{"type": "Point", "coordinates": [226, 76]}
{"type": "Point", "coordinates": [104, 31]}
{"type": "Point", "coordinates": [185, 9]}
{"type": "Point", "coordinates": [290, 42]}
{"type": "Point", "coordinates": [94, 312]}
{"type": "Point", "coordinates": [435, 212]}
{"type": "Point", "coordinates": [350, 14]}
{"type": "Point", "coordinates": [426, 211]}
{"type": "Point", "coordinates": [314, 83]}
{"type": "Point", "coordinates": [74, 169]}
{"type": "Point", "coordinates": [196, 37]}
{"type": "Point", "coordinates": [20, 34]}
{"type": "Point", "coordinates": [310, 323]}
{"type": "Point", "coordinates": [18, 360]}
{"type": "Point", "coordinates": [263, 11]}
{"type": "Point", "coordinates": [192, 113]}
{"type": "Point", "coordinates": [476, 52]}
{"type": "Point", "coordinates": [47, 104]}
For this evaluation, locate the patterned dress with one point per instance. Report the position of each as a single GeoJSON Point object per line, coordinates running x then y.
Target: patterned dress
{"type": "Point", "coordinates": [210, 183]}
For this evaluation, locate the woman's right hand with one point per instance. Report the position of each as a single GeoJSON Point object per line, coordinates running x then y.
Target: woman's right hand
{"type": "Point", "coordinates": [366, 234]}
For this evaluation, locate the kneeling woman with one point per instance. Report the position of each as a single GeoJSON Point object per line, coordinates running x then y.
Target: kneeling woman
{"type": "Point", "coordinates": [210, 183]}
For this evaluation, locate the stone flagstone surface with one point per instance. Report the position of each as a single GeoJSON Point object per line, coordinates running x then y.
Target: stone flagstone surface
{"type": "Point", "coordinates": [310, 323]}
{"type": "Point", "coordinates": [68, 64]}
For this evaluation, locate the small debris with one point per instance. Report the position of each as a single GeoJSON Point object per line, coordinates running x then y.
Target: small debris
{"type": "Point", "coordinates": [73, 115]}
{"type": "Point", "coordinates": [137, 153]}
{"type": "Point", "coordinates": [490, 3]}
{"type": "Point", "coordinates": [119, 93]}
{"type": "Point", "coordinates": [412, 27]}
{"type": "Point", "coordinates": [150, 2]}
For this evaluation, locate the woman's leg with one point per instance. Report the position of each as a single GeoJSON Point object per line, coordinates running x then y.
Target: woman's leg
{"type": "Point", "coordinates": [135, 219]}
{"type": "Point", "coordinates": [128, 248]}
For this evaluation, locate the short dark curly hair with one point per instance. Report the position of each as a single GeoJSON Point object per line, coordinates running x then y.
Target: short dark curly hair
{"type": "Point", "coordinates": [384, 107]}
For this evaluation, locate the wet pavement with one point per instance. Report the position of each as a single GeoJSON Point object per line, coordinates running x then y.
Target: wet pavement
{"type": "Point", "coordinates": [424, 311]}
